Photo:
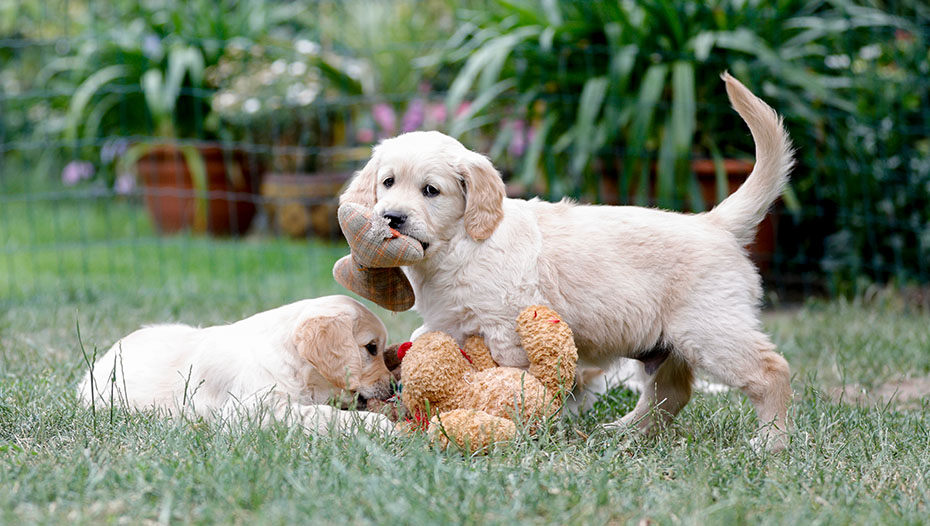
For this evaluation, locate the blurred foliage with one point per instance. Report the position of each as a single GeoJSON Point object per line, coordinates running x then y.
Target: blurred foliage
{"type": "Point", "coordinates": [590, 76]}
{"type": "Point", "coordinates": [868, 169]}
{"type": "Point", "coordinates": [122, 69]}
{"type": "Point", "coordinates": [291, 99]}
{"type": "Point", "coordinates": [390, 35]}
{"type": "Point", "coordinates": [575, 94]}
{"type": "Point", "coordinates": [603, 100]}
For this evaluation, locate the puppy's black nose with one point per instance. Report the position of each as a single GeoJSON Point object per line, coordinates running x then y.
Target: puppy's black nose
{"type": "Point", "coordinates": [396, 219]}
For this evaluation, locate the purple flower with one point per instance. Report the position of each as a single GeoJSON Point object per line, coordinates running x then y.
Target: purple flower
{"type": "Point", "coordinates": [518, 141]}
{"type": "Point", "coordinates": [151, 46]}
{"type": "Point", "coordinates": [415, 115]}
{"type": "Point", "coordinates": [75, 172]}
{"type": "Point", "coordinates": [124, 184]}
{"type": "Point", "coordinates": [112, 149]}
{"type": "Point", "coordinates": [385, 118]}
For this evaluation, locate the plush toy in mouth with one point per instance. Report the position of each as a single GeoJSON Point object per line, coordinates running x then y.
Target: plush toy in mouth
{"type": "Point", "coordinates": [372, 270]}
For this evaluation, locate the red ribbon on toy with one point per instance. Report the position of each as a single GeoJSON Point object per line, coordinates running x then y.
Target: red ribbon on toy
{"type": "Point", "coordinates": [466, 356]}
{"type": "Point", "coordinates": [404, 347]}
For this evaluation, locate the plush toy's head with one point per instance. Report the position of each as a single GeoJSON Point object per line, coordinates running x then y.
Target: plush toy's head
{"type": "Point", "coordinates": [433, 374]}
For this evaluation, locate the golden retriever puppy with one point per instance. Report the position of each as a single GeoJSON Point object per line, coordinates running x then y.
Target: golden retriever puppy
{"type": "Point", "coordinates": [286, 363]}
{"type": "Point", "coordinates": [675, 291]}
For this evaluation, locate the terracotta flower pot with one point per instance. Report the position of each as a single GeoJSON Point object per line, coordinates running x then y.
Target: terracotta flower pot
{"type": "Point", "coordinates": [171, 198]}
{"type": "Point", "coordinates": [302, 204]}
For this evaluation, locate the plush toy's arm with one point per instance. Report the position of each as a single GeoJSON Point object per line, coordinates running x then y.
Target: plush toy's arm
{"type": "Point", "coordinates": [479, 353]}
{"type": "Point", "coordinates": [471, 430]}
{"type": "Point", "coordinates": [550, 347]}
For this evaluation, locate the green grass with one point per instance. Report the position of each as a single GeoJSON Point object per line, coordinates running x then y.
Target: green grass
{"type": "Point", "coordinates": [97, 264]}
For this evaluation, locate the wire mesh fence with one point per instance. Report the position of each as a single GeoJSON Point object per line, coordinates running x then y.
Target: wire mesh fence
{"type": "Point", "coordinates": [169, 146]}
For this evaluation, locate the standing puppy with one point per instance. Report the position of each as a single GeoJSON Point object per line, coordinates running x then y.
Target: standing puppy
{"type": "Point", "coordinates": [290, 361]}
{"type": "Point", "coordinates": [675, 291]}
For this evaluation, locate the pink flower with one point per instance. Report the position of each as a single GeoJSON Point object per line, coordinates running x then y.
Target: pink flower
{"type": "Point", "coordinates": [415, 115]}
{"type": "Point", "coordinates": [385, 118]}
{"type": "Point", "coordinates": [463, 107]}
{"type": "Point", "coordinates": [75, 172]}
{"type": "Point", "coordinates": [125, 184]}
{"type": "Point", "coordinates": [365, 135]}
{"type": "Point", "coordinates": [436, 113]}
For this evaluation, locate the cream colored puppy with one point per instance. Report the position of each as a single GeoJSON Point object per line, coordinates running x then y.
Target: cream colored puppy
{"type": "Point", "coordinates": [286, 363]}
{"type": "Point", "coordinates": [674, 291]}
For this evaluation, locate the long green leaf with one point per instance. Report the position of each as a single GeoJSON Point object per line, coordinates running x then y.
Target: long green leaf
{"type": "Point", "coordinates": [85, 92]}
{"type": "Point", "coordinates": [95, 117]}
{"type": "Point", "coordinates": [722, 184]}
{"type": "Point", "coordinates": [665, 167]}
{"type": "Point", "coordinates": [683, 120]}
{"type": "Point", "coordinates": [198, 171]}
{"type": "Point", "coordinates": [492, 54]}
{"type": "Point", "coordinates": [585, 140]}
{"type": "Point", "coordinates": [464, 122]}
{"type": "Point", "coordinates": [152, 89]}
{"type": "Point", "coordinates": [636, 161]}
{"type": "Point", "coordinates": [529, 173]}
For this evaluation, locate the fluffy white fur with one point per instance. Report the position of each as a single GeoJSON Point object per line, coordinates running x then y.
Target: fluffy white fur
{"type": "Point", "coordinates": [632, 282]}
{"type": "Point", "coordinates": [285, 363]}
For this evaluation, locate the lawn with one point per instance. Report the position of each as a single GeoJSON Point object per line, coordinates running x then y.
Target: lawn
{"type": "Point", "coordinates": [91, 263]}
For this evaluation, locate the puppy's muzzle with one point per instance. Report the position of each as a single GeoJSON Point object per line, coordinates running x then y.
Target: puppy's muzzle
{"type": "Point", "coordinates": [395, 219]}
{"type": "Point", "coordinates": [379, 391]}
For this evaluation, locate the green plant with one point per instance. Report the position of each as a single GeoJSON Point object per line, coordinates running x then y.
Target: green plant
{"type": "Point", "coordinates": [871, 166]}
{"type": "Point", "coordinates": [591, 76]}
{"type": "Point", "coordinates": [288, 94]}
{"type": "Point", "coordinates": [144, 77]}
{"type": "Point", "coordinates": [389, 36]}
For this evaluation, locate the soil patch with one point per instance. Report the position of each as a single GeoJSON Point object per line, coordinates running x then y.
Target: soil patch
{"type": "Point", "coordinates": [901, 393]}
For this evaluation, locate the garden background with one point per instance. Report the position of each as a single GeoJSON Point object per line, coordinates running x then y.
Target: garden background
{"type": "Point", "coordinates": [168, 160]}
{"type": "Point", "coordinates": [276, 103]}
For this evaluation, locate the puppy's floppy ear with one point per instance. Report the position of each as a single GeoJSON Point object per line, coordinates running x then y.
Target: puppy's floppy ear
{"type": "Point", "coordinates": [364, 186]}
{"type": "Point", "coordinates": [328, 343]}
{"type": "Point", "coordinates": [484, 196]}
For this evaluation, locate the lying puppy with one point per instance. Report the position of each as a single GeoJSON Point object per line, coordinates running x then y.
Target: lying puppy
{"type": "Point", "coordinates": [675, 291]}
{"type": "Point", "coordinates": [289, 361]}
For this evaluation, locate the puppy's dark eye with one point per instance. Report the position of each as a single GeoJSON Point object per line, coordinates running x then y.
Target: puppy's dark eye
{"type": "Point", "coordinates": [430, 191]}
{"type": "Point", "coordinates": [389, 182]}
{"type": "Point", "coordinates": [372, 348]}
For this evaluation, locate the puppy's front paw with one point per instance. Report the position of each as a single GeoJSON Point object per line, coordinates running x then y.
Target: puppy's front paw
{"type": "Point", "coordinates": [377, 423]}
{"type": "Point", "coordinates": [769, 439]}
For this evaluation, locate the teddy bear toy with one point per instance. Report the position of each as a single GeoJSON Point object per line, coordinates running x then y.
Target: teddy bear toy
{"type": "Point", "coordinates": [372, 269]}
{"type": "Point", "coordinates": [470, 401]}
{"type": "Point", "coordinates": [465, 397]}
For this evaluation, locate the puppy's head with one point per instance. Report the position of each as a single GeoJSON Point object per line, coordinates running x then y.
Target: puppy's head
{"type": "Point", "coordinates": [345, 343]}
{"type": "Point", "coordinates": [431, 188]}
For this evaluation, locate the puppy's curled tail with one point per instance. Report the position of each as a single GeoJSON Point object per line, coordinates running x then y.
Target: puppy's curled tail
{"type": "Point", "coordinates": [742, 212]}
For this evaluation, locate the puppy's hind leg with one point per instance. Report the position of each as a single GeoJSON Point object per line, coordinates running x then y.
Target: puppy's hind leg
{"type": "Point", "coordinates": [763, 375]}
{"type": "Point", "coordinates": [667, 382]}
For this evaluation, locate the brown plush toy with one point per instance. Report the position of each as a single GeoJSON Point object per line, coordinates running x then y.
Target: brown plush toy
{"type": "Point", "coordinates": [473, 402]}
{"type": "Point", "coordinates": [372, 269]}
